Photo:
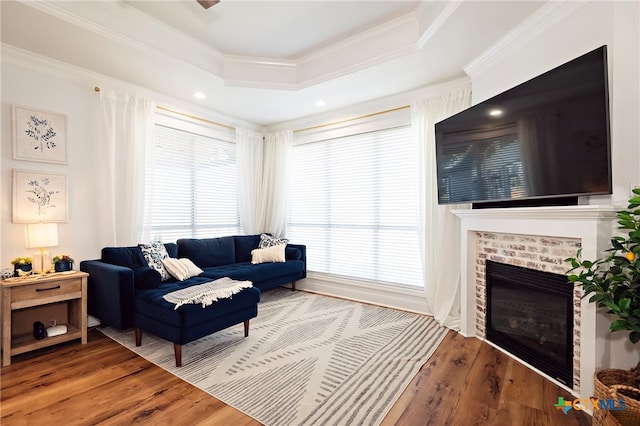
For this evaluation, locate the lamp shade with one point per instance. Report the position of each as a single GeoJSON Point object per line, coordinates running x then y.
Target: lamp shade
{"type": "Point", "coordinates": [40, 235]}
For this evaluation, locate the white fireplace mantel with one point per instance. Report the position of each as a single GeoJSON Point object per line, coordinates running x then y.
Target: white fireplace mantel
{"type": "Point", "coordinates": [592, 224]}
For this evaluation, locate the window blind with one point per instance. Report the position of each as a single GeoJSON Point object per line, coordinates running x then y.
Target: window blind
{"type": "Point", "coordinates": [193, 184]}
{"type": "Point", "coordinates": [352, 201]}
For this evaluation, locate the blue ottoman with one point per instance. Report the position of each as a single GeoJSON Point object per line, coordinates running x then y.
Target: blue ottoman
{"type": "Point", "coordinates": [190, 322]}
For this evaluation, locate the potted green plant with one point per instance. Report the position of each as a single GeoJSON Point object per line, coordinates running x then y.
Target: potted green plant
{"type": "Point", "coordinates": [613, 283]}
{"type": "Point", "coordinates": [22, 266]}
{"type": "Point", "coordinates": [62, 263]}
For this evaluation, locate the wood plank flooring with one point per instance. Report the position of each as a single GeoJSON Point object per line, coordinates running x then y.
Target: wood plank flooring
{"type": "Point", "coordinates": [469, 382]}
{"type": "Point", "coordinates": [466, 382]}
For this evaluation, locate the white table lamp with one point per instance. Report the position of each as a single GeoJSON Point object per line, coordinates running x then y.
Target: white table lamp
{"type": "Point", "coordinates": [41, 235]}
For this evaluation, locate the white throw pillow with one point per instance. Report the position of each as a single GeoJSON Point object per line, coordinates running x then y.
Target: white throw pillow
{"type": "Point", "coordinates": [269, 254]}
{"type": "Point", "coordinates": [181, 269]}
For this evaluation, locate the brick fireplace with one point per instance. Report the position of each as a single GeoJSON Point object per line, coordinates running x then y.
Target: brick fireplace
{"type": "Point", "coordinates": [540, 239]}
{"type": "Point", "coordinates": [540, 253]}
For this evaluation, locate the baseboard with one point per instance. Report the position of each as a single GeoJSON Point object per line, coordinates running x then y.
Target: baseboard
{"type": "Point", "coordinates": [406, 299]}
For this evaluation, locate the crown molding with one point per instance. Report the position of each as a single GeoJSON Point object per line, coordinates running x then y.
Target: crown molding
{"type": "Point", "coordinates": [77, 75]}
{"type": "Point", "coordinates": [130, 27]}
{"type": "Point", "coordinates": [433, 16]}
{"type": "Point", "coordinates": [390, 40]}
{"type": "Point", "coordinates": [57, 69]}
{"type": "Point", "coordinates": [543, 20]}
{"type": "Point", "coordinates": [407, 25]}
{"type": "Point", "coordinates": [397, 100]}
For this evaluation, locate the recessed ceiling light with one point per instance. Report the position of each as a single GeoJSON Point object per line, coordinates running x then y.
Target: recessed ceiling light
{"type": "Point", "coordinates": [199, 95]}
{"type": "Point", "coordinates": [321, 103]}
{"type": "Point", "coordinates": [495, 112]}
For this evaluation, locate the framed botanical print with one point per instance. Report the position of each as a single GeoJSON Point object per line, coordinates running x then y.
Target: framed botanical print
{"type": "Point", "coordinates": [39, 135]}
{"type": "Point", "coordinates": [39, 196]}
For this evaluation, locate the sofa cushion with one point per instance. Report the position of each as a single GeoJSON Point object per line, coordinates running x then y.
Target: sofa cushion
{"type": "Point", "coordinates": [154, 254]}
{"type": "Point", "coordinates": [254, 273]}
{"type": "Point", "coordinates": [152, 304]}
{"type": "Point", "coordinates": [145, 277]}
{"type": "Point", "coordinates": [127, 257]}
{"type": "Point", "coordinates": [268, 254]}
{"type": "Point", "coordinates": [172, 249]}
{"type": "Point", "coordinates": [292, 253]}
{"type": "Point", "coordinates": [244, 244]}
{"type": "Point", "coordinates": [208, 252]}
{"type": "Point", "coordinates": [267, 240]}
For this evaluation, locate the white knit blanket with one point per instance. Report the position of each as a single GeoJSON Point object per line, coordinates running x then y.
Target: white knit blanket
{"type": "Point", "coordinates": [207, 293]}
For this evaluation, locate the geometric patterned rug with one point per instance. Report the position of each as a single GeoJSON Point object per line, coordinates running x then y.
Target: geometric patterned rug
{"type": "Point", "coordinates": [308, 359]}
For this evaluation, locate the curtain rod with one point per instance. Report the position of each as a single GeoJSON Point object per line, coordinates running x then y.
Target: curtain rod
{"type": "Point", "coordinates": [319, 126]}
{"type": "Point", "coordinates": [193, 117]}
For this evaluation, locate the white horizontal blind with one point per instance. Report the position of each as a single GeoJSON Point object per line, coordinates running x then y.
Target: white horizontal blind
{"type": "Point", "coordinates": [194, 186]}
{"type": "Point", "coordinates": [352, 201]}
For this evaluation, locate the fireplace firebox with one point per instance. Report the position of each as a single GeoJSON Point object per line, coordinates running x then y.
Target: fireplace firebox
{"type": "Point", "coordinates": [530, 315]}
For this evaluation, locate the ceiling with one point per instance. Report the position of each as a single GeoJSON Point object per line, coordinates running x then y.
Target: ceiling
{"type": "Point", "coordinates": [266, 62]}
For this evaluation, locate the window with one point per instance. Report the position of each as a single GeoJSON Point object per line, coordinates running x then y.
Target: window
{"type": "Point", "coordinates": [192, 182]}
{"type": "Point", "coordinates": [353, 202]}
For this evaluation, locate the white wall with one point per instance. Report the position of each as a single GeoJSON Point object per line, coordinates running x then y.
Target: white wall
{"type": "Point", "coordinates": [567, 31]}
{"type": "Point", "coordinates": [39, 90]}
{"type": "Point", "coordinates": [41, 83]}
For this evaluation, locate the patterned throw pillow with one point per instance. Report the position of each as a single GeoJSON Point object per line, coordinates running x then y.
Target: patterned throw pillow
{"type": "Point", "coordinates": [154, 254]}
{"type": "Point", "coordinates": [267, 240]}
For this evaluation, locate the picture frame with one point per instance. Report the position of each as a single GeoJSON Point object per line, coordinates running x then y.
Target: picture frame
{"type": "Point", "coordinates": [39, 196]}
{"type": "Point", "coordinates": [39, 135]}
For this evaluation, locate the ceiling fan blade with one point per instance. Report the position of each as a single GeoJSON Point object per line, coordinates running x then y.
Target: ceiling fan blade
{"type": "Point", "coordinates": [208, 3]}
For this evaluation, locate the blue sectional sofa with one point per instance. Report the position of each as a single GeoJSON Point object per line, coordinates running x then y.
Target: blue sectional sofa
{"type": "Point", "coordinates": [120, 276]}
{"type": "Point", "coordinates": [124, 292]}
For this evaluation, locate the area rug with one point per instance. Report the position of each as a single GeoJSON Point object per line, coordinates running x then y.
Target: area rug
{"type": "Point", "coordinates": [308, 359]}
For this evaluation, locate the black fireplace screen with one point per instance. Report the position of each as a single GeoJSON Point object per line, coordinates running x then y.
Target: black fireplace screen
{"type": "Point", "coordinates": [530, 314]}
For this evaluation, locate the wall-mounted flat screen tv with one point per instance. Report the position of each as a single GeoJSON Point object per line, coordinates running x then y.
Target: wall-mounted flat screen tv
{"type": "Point", "coordinates": [544, 140]}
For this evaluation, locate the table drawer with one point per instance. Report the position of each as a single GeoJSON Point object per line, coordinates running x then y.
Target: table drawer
{"type": "Point", "coordinates": [46, 290]}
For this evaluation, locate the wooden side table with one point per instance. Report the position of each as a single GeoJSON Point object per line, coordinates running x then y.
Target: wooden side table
{"type": "Point", "coordinates": [61, 297]}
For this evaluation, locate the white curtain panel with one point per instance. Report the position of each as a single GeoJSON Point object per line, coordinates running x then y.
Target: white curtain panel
{"type": "Point", "coordinates": [439, 229]}
{"type": "Point", "coordinates": [249, 155]}
{"type": "Point", "coordinates": [275, 182]}
{"type": "Point", "coordinates": [127, 152]}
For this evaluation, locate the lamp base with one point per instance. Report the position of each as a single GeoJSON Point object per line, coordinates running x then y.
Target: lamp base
{"type": "Point", "coordinates": [42, 262]}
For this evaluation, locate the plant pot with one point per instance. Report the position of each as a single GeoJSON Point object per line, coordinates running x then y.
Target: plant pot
{"type": "Point", "coordinates": [62, 266]}
{"type": "Point", "coordinates": [604, 381]}
{"type": "Point", "coordinates": [630, 416]}
{"type": "Point", "coordinates": [25, 267]}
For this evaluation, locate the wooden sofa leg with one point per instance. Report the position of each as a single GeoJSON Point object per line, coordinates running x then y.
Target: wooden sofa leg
{"type": "Point", "coordinates": [138, 332]}
{"type": "Point", "coordinates": [293, 286]}
{"type": "Point", "coordinates": [177, 350]}
{"type": "Point", "coordinates": [246, 328]}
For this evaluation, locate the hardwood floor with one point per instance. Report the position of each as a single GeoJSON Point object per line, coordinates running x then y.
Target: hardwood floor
{"type": "Point", "coordinates": [466, 382]}
{"type": "Point", "coordinates": [469, 382]}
